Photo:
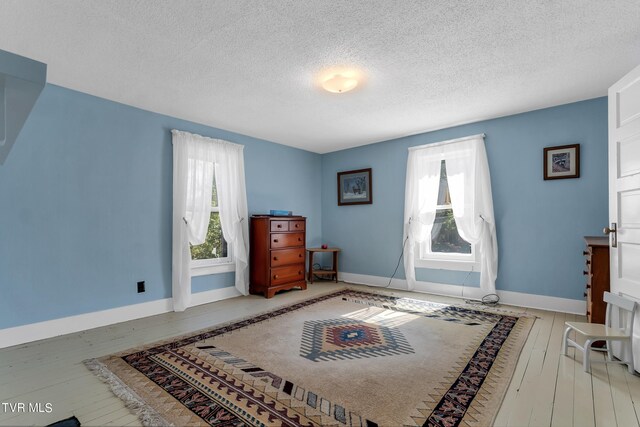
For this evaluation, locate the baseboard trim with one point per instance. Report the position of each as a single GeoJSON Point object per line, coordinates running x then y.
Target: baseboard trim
{"type": "Point", "coordinates": [82, 322]}
{"type": "Point", "coordinates": [543, 302]}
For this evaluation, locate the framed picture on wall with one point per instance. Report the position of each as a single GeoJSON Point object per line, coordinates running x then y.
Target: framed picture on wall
{"type": "Point", "coordinates": [562, 162]}
{"type": "Point", "coordinates": [355, 187]}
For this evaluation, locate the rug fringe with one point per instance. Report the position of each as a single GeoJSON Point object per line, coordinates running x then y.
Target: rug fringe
{"type": "Point", "coordinates": [148, 416]}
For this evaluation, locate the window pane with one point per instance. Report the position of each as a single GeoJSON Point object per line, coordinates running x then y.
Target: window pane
{"type": "Point", "coordinates": [214, 194]}
{"type": "Point", "coordinates": [444, 235]}
{"type": "Point", "coordinates": [215, 246]}
{"type": "Point", "coordinates": [443, 193]}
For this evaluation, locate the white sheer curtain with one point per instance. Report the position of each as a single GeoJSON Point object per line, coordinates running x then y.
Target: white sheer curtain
{"type": "Point", "coordinates": [472, 202]}
{"type": "Point", "coordinates": [232, 199]}
{"type": "Point", "coordinates": [421, 199]}
{"type": "Point", "coordinates": [195, 158]}
{"type": "Point", "coordinates": [471, 199]}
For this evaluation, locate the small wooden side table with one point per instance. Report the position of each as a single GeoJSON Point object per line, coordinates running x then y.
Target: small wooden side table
{"type": "Point", "coordinates": [334, 268]}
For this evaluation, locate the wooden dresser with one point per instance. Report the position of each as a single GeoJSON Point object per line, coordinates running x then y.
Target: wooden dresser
{"type": "Point", "coordinates": [278, 246]}
{"type": "Point", "coordinates": [597, 275]}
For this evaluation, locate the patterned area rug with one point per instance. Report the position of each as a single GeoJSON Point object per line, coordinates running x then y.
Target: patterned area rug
{"type": "Point", "coordinates": [349, 358]}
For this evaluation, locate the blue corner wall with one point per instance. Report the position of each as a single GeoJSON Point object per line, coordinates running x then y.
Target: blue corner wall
{"type": "Point", "coordinates": [540, 223]}
{"type": "Point", "coordinates": [85, 205]}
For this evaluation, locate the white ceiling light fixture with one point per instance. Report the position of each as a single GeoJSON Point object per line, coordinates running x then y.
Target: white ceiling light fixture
{"type": "Point", "coordinates": [340, 83]}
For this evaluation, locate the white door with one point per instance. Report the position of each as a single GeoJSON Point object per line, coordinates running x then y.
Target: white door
{"type": "Point", "coordinates": [624, 191]}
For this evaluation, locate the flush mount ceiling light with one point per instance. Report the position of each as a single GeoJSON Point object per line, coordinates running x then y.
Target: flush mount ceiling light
{"type": "Point", "coordinates": [339, 83]}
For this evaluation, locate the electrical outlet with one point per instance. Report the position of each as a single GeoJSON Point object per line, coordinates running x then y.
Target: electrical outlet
{"type": "Point", "coordinates": [141, 287]}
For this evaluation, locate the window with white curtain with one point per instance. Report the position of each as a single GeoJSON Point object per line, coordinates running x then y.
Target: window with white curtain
{"type": "Point", "coordinates": [215, 255]}
{"type": "Point", "coordinates": [209, 209]}
{"type": "Point", "coordinates": [445, 248]}
{"type": "Point", "coordinates": [449, 220]}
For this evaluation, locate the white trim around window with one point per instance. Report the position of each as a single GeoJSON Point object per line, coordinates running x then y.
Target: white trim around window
{"type": "Point", "coordinates": [447, 261]}
{"type": "Point", "coordinates": [205, 267]}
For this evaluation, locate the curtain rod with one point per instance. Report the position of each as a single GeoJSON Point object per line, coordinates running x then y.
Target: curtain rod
{"type": "Point", "coordinates": [450, 141]}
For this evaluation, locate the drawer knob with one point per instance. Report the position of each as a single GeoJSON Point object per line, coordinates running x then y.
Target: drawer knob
{"type": "Point", "coordinates": [588, 262]}
{"type": "Point", "coordinates": [586, 273]}
{"type": "Point", "coordinates": [275, 258]}
{"type": "Point", "coordinates": [275, 276]}
{"type": "Point", "coordinates": [297, 226]}
{"type": "Point", "coordinates": [585, 253]}
{"type": "Point", "coordinates": [299, 255]}
{"type": "Point", "coordinates": [276, 241]}
{"type": "Point", "coordinates": [588, 286]}
{"type": "Point", "coordinates": [299, 272]}
{"type": "Point", "coordinates": [585, 294]}
{"type": "Point", "coordinates": [588, 313]}
{"type": "Point", "coordinates": [279, 225]}
{"type": "Point", "coordinates": [299, 239]}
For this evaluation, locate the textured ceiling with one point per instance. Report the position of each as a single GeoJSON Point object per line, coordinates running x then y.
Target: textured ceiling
{"type": "Point", "coordinates": [252, 66]}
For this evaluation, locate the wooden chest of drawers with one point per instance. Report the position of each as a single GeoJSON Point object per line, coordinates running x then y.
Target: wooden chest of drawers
{"type": "Point", "coordinates": [597, 274]}
{"type": "Point", "coordinates": [277, 254]}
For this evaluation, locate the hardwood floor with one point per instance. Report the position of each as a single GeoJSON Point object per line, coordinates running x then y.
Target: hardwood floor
{"type": "Point", "coordinates": [547, 389]}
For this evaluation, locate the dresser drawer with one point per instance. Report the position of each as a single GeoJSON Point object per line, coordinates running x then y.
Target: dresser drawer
{"type": "Point", "coordinates": [279, 225]}
{"type": "Point", "coordinates": [287, 274]}
{"type": "Point", "coordinates": [296, 226]}
{"type": "Point", "coordinates": [286, 240]}
{"type": "Point", "coordinates": [287, 256]}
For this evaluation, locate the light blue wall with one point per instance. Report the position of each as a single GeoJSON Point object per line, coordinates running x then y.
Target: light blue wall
{"type": "Point", "coordinates": [540, 223]}
{"type": "Point", "coordinates": [85, 205]}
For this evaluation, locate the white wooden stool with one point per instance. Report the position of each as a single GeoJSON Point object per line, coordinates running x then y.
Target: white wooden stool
{"type": "Point", "coordinates": [597, 332]}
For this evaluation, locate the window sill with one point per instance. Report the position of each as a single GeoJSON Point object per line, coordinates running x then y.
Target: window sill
{"type": "Point", "coordinates": [441, 264]}
{"type": "Point", "coordinates": [206, 270]}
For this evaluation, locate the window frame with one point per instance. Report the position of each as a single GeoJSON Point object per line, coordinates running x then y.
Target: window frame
{"type": "Point", "coordinates": [425, 258]}
{"type": "Point", "coordinates": [205, 267]}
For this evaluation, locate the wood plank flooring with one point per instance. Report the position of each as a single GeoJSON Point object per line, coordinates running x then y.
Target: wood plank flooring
{"type": "Point", "coordinates": [547, 389]}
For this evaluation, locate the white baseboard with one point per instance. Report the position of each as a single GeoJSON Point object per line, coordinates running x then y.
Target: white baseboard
{"type": "Point", "coordinates": [520, 299]}
{"type": "Point", "coordinates": [81, 322]}
{"type": "Point", "coordinates": [67, 325]}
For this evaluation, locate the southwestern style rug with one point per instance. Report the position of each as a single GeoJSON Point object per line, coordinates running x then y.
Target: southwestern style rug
{"type": "Point", "coordinates": [349, 358]}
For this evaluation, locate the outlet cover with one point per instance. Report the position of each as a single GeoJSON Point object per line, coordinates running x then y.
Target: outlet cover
{"type": "Point", "coordinates": [141, 287]}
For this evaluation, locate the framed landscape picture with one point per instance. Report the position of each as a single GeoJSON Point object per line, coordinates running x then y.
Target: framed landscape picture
{"type": "Point", "coordinates": [562, 162]}
{"type": "Point", "coordinates": [355, 187]}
